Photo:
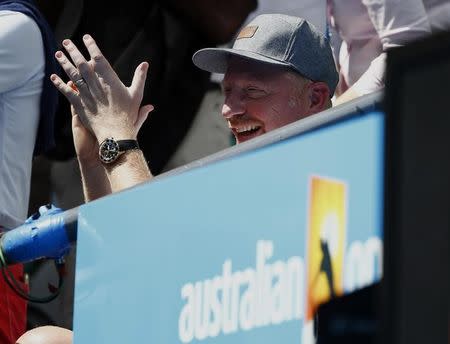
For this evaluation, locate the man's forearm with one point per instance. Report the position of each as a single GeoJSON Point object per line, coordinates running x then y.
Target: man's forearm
{"type": "Point", "coordinates": [129, 170]}
{"type": "Point", "coordinates": [95, 181]}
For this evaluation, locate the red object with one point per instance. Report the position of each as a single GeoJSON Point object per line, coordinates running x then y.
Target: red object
{"type": "Point", "coordinates": [13, 309]}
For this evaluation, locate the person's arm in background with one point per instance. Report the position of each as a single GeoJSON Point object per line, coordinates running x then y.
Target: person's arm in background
{"type": "Point", "coordinates": [371, 81]}
{"type": "Point", "coordinates": [396, 22]}
{"type": "Point", "coordinates": [107, 108]}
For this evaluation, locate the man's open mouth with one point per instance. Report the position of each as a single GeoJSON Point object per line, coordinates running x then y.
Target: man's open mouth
{"type": "Point", "coordinates": [247, 132]}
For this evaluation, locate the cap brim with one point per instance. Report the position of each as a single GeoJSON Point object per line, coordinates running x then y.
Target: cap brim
{"type": "Point", "coordinates": [215, 60]}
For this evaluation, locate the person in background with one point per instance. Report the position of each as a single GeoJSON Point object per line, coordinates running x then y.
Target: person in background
{"type": "Point", "coordinates": [438, 13]}
{"type": "Point", "coordinates": [46, 335]}
{"type": "Point", "coordinates": [367, 29]}
{"type": "Point", "coordinates": [27, 109]}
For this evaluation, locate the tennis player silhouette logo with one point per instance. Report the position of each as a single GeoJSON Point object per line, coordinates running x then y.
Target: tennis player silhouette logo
{"type": "Point", "coordinates": [325, 242]}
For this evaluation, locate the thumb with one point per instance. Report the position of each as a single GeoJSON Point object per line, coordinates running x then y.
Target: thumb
{"type": "Point", "coordinates": [138, 83]}
{"type": "Point", "coordinates": [72, 110]}
{"type": "Point", "coordinates": [77, 121]}
{"type": "Point", "coordinates": [142, 115]}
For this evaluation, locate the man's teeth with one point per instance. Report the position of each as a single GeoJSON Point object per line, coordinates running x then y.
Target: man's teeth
{"type": "Point", "coordinates": [247, 128]}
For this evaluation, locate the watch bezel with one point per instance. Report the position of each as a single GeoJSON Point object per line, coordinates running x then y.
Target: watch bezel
{"type": "Point", "coordinates": [109, 150]}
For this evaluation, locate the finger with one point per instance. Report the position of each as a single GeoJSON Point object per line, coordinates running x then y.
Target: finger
{"type": "Point", "coordinates": [101, 64]}
{"type": "Point", "coordinates": [138, 83]}
{"type": "Point", "coordinates": [71, 92]}
{"type": "Point", "coordinates": [73, 73]}
{"type": "Point", "coordinates": [83, 67]}
{"type": "Point", "coordinates": [143, 115]}
{"type": "Point", "coordinates": [73, 111]}
{"type": "Point", "coordinates": [78, 128]}
{"type": "Point", "coordinates": [79, 123]}
{"type": "Point", "coordinates": [76, 56]}
{"type": "Point", "coordinates": [75, 117]}
{"type": "Point", "coordinates": [72, 85]}
{"type": "Point", "coordinates": [71, 95]}
{"type": "Point", "coordinates": [76, 121]}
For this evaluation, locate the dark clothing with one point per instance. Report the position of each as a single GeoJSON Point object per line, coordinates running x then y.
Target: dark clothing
{"type": "Point", "coordinates": [129, 33]}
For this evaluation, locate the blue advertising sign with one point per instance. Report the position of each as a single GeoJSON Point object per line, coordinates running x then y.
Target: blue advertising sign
{"type": "Point", "coordinates": [239, 251]}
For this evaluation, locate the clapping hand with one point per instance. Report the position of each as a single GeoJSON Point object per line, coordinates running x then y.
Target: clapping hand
{"type": "Point", "coordinates": [103, 104]}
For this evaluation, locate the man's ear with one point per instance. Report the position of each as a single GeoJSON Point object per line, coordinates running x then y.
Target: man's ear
{"type": "Point", "coordinates": [319, 95]}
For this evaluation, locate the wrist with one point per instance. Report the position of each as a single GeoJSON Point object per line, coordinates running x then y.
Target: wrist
{"type": "Point", "coordinates": [91, 163]}
{"type": "Point", "coordinates": [129, 157]}
{"type": "Point", "coordinates": [118, 136]}
{"type": "Point", "coordinates": [118, 133]}
{"type": "Point", "coordinates": [111, 149]}
{"type": "Point", "coordinates": [129, 170]}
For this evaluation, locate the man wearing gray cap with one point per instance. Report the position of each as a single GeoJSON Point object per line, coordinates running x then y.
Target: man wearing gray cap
{"type": "Point", "coordinates": [280, 70]}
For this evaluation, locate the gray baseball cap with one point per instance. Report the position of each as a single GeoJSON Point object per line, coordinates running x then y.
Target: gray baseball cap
{"type": "Point", "coordinates": [279, 40]}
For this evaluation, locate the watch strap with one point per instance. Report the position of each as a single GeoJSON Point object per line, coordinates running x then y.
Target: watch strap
{"type": "Point", "coordinates": [125, 145]}
{"type": "Point", "coordinates": [110, 149]}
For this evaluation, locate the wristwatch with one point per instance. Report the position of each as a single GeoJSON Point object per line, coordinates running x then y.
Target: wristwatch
{"type": "Point", "coordinates": [111, 149]}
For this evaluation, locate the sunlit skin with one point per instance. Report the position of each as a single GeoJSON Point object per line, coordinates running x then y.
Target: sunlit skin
{"type": "Point", "coordinates": [260, 97]}
{"type": "Point", "coordinates": [46, 335]}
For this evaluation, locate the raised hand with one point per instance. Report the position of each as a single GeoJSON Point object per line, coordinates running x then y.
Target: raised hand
{"type": "Point", "coordinates": [102, 106]}
{"type": "Point", "coordinates": [103, 103]}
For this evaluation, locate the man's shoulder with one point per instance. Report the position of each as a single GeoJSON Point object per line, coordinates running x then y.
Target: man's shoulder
{"type": "Point", "coordinates": [22, 52]}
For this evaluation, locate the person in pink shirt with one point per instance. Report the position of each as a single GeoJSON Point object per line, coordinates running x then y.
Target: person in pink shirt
{"type": "Point", "coordinates": [368, 28]}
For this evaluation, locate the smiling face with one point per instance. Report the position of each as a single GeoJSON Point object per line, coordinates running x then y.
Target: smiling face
{"type": "Point", "coordinates": [260, 97]}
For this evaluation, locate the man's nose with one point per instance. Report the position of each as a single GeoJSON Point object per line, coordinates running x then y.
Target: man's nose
{"type": "Point", "coordinates": [233, 106]}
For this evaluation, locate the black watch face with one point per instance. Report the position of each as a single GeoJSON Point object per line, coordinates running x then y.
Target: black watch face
{"type": "Point", "coordinates": [109, 150]}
